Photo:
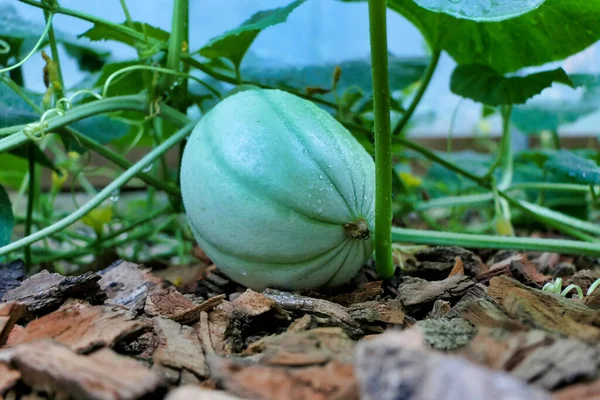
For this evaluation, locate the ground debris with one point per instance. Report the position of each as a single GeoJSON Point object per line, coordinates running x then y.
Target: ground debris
{"type": "Point", "coordinates": [8, 378]}
{"type": "Point", "coordinates": [48, 366]}
{"type": "Point", "coordinates": [193, 392]}
{"type": "Point", "coordinates": [336, 313]}
{"type": "Point", "coordinates": [10, 312]}
{"type": "Point", "coordinates": [45, 292]}
{"type": "Point", "coordinates": [446, 335]}
{"type": "Point", "coordinates": [166, 301]}
{"type": "Point", "coordinates": [83, 328]}
{"type": "Point", "coordinates": [436, 263]}
{"type": "Point", "coordinates": [334, 380]}
{"type": "Point", "coordinates": [11, 275]}
{"type": "Point", "coordinates": [582, 391]}
{"type": "Point", "coordinates": [544, 310]}
{"type": "Point", "coordinates": [253, 304]}
{"type": "Point", "coordinates": [179, 349]}
{"type": "Point", "coordinates": [416, 293]}
{"type": "Point", "coordinates": [316, 346]}
{"type": "Point", "coordinates": [396, 365]}
{"type": "Point", "coordinates": [127, 284]}
{"type": "Point", "coordinates": [536, 356]}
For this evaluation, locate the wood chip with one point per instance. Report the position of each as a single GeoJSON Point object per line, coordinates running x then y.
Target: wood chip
{"type": "Point", "coordinates": [388, 311]}
{"type": "Point", "coordinates": [253, 304]}
{"type": "Point", "coordinates": [10, 312]}
{"type": "Point", "coordinates": [446, 335]}
{"type": "Point", "coordinates": [583, 279]}
{"type": "Point", "coordinates": [11, 275]}
{"type": "Point", "coordinates": [198, 393]}
{"type": "Point", "coordinates": [84, 328]}
{"type": "Point", "coordinates": [435, 263]}
{"type": "Point", "coordinates": [459, 267]}
{"type": "Point", "coordinates": [219, 321]}
{"type": "Point", "coordinates": [331, 381]}
{"type": "Point", "coordinates": [319, 307]}
{"type": "Point", "coordinates": [417, 293]}
{"type": "Point", "coordinates": [179, 347]}
{"type": "Point", "coordinates": [315, 346]}
{"type": "Point", "coordinates": [369, 291]}
{"type": "Point", "coordinates": [8, 378]}
{"type": "Point", "coordinates": [45, 292]}
{"type": "Point", "coordinates": [582, 391]}
{"type": "Point", "coordinates": [545, 310]}
{"type": "Point", "coordinates": [440, 309]}
{"type": "Point", "coordinates": [103, 375]}
{"type": "Point", "coordinates": [593, 300]}
{"type": "Point", "coordinates": [168, 302]}
{"type": "Point", "coordinates": [127, 284]}
{"type": "Point", "coordinates": [303, 323]}
{"type": "Point", "coordinates": [396, 365]}
{"type": "Point", "coordinates": [484, 313]}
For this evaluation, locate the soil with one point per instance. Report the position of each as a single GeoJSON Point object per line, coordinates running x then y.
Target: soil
{"type": "Point", "coordinates": [453, 324]}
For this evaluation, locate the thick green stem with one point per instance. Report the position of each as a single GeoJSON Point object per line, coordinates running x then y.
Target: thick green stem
{"type": "Point", "coordinates": [435, 57]}
{"type": "Point", "coordinates": [30, 201]}
{"type": "Point", "coordinates": [494, 242]}
{"type": "Point", "coordinates": [58, 91]}
{"type": "Point", "coordinates": [383, 140]}
{"type": "Point", "coordinates": [179, 26]}
{"type": "Point", "coordinates": [102, 195]}
{"type": "Point", "coordinates": [121, 103]}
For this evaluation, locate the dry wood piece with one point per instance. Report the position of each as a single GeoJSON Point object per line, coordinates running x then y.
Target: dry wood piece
{"type": "Point", "coordinates": [436, 262]}
{"type": "Point", "coordinates": [11, 275]}
{"type": "Point", "coordinates": [593, 300]}
{"type": "Point", "coordinates": [10, 313]}
{"type": "Point", "coordinates": [316, 346]}
{"type": "Point", "coordinates": [582, 391]}
{"type": "Point", "coordinates": [8, 378]}
{"type": "Point", "coordinates": [396, 366]}
{"type": "Point", "coordinates": [564, 362]}
{"type": "Point", "coordinates": [369, 291]}
{"type": "Point", "coordinates": [584, 279]}
{"type": "Point", "coordinates": [83, 328]}
{"type": "Point", "coordinates": [219, 320]}
{"type": "Point", "coordinates": [253, 304]}
{"type": "Point", "coordinates": [303, 323]}
{"type": "Point", "coordinates": [104, 375]}
{"type": "Point", "coordinates": [296, 302]}
{"type": "Point", "coordinates": [440, 309]}
{"type": "Point", "coordinates": [484, 313]}
{"type": "Point", "coordinates": [45, 292]}
{"type": "Point", "coordinates": [388, 311]}
{"type": "Point", "coordinates": [198, 393]}
{"type": "Point", "coordinates": [545, 310]}
{"type": "Point", "coordinates": [179, 348]}
{"type": "Point", "coordinates": [168, 302]}
{"type": "Point", "coordinates": [332, 381]}
{"type": "Point", "coordinates": [127, 284]}
{"type": "Point", "coordinates": [525, 271]}
{"type": "Point", "coordinates": [417, 293]}
{"type": "Point", "coordinates": [498, 268]}
{"type": "Point", "coordinates": [445, 335]}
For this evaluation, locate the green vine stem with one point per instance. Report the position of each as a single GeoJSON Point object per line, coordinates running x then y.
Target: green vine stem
{"type": "Point", "coordinates": [435, 58]}
{"type": "Point", "coordinates": [58, 92]}
{"type": "Point", "coordinates": [103, 194]}
{"type": "Point", "coordinates": [179, 26]}
{"type": "Point", "coordinates": [383, 140]}
{"type": "Point", "coordinates": [494, 242]}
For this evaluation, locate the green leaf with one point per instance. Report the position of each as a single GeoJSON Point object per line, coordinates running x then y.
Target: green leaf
{"type": "Point", "coordinates": [12, 170]}
{"type": "Point", "coordinates": [553, 31]}
{"type": "Point", "coordinates": [234, 43]}
{"type": "Point", "coordinates": [356, 75]}
{"type": "Point", "coordinates": [550, 115]}
{"type": "Point", "coordinates": [574, 169]}
{"type": "Point", "coordinates": [6, 218]}
{"type": "Point", "coordinates": [481, 10]}
{"type": "Point", "coordinates": [100, 32]}
{"type": "Point", "coordinates": [22, 35]}
{"type": "Point", "coordinates": [482, 84]}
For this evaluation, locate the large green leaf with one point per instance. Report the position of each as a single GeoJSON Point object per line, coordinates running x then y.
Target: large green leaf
{"type": "Point", "coordinates": [481, 10]}
{"type": "Point", "coordinates": [234, 43]}
{"type": "Point", "coordinates": [101, 32]}
{"type": "Point", "coordinates": [22, 35]}
{"type": "Point", "coordinates": [550, 115]}
{"type": "Point", "coordinates": [355, 78]}
{"type": "Point", "coordinates": [553, 31]}
{"type": "Point", "coordinates": [482, 84]}
{"type": "Point", "coordinates": [573, 168]}
{"type": "Point", "coordinates": [6, 218]}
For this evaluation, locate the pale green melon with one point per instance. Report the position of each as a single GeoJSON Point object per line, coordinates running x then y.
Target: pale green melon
{"type": "Point", "coordinates": [278, 193]}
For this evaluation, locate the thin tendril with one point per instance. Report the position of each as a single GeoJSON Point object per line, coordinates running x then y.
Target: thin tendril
{"type": "Point", "coordinates": [4, 47]}
{"type": "Point", "coordinates": [214, 91]}
{"type": "Point", "coordinates": [33, 51]}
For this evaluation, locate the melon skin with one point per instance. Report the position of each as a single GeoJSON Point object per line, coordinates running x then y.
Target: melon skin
{"type": "Point", "coordinates": [269, 181]}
